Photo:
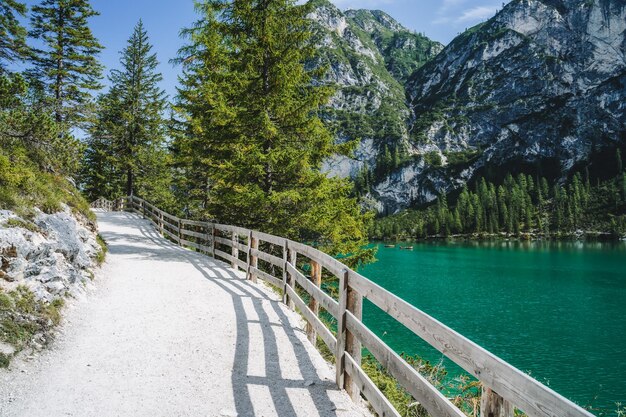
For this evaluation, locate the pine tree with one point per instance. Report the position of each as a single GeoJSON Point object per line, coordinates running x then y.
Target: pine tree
{"type": "Point", "coordinates": [384, 163]}
{"type": "Point", "coordinates": [127, 139]}
{"type": "Point", "coordinates": [67, 64]}
{"type": "Point", "coordinates": [251, 107]}
{"type": "Point", "coordinates": [12, 33]}
{"type": "Point", "coordinates": [202, 111]}
{"type": "Point", "coordinates": [102, 171]}
{"type": "Point", "coordinates": [458, 224]}
{"type": "Point", "coordinates": [618, 157]}
{"type": "Point", "coordinates": [141, 102]}
{"type": "Point", "coordinates": [395, 157]}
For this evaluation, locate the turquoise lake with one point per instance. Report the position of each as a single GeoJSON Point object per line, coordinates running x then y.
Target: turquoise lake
{"type": "Point", "coordinates": [554, 310]}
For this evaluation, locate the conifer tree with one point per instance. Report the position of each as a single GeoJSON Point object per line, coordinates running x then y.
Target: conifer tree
{"type": "Point", "coordinates": [141, 104]}
{"type": "Point", "coordinates": [202, 110]}
{"type": "Point", "coordinates": [252, 106]}
{"type": "Point", "coordinates": [12, 33]}
{"type": "Point", "coordinates": [102, 172]}
{"type": "Point", "coordinates": [66, 65]}
{"type": "Point", "coordinates": [128, 138]}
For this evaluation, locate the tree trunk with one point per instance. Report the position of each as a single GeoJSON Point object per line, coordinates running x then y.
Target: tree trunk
{"type": "Point", "coordinates": [129, 181]}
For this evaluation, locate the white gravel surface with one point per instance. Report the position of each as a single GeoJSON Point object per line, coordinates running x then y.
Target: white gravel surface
{"type": "Point", "coordinates": [168, 332]}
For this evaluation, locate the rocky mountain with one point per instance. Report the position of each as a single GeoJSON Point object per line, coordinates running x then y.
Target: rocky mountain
{"type": "Point", "coordinates": [369, 57]}
{"type": "Point", "coordinates": [541, 86]}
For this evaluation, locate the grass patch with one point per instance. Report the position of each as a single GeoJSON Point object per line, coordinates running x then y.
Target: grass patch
{"type": "Point", "coordinates": [22, 316]}
{"type": "Point", "coordinates": [23, 224]}
{"type": "Point", "coordinates": [463, 391]}
{"type": "Point", "coordinates": [102, 254]}
{"type": "Point", "coordinates": [327, 354]}
{"type": "Point", "coordinates": [24, 186]}
{"type": "Point", "coordinates": [4, 360]}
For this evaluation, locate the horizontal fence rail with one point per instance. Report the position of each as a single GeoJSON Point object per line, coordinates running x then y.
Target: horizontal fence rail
{"type": "Point", "coordinates": [283, 264]}
{"type": "Point", "coordinates": [103, 204]}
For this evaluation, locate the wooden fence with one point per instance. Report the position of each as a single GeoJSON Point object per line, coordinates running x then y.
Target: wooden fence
{"type": "Point", "coordinates": [275, 260]}
{"type": "Point", "coordinates": [103, 204]}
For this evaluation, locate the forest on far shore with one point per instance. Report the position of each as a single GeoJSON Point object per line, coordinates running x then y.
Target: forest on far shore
{"type": "Point", "coordinates": [521, 205]}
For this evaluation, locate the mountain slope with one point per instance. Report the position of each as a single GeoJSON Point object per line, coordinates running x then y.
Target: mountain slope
{"type": "Point", "coordinates": [541, 84]}
{"type": "Point", "coordinates": [369, 56]}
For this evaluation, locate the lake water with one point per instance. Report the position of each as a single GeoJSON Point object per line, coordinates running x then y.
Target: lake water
{"type": "Point", "coordinates": [554, 310]}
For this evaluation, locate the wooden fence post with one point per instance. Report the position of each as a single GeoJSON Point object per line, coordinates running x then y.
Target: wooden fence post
{"type": "Point", "coordinates": [285, 261]}
{"type": "Point", "coordinates": [354, 304]}
{"type": "Point", "coordinates": [493, 405]}
{"type": "Point", "coordinates": [234, 250]}
{"type": "Point", "coordinates": [213, 240]}
{"type": "Point", "coordinates": [180, 236]}
{"type": "Point", "coordinates": [253, 260]}
{"type": "Point", "coordinates": [293, 260]}
{"type": "Point", "coordinates": [316, 278]}
{"type": "Point", "coordinates": [143, 209]}
{"type": "Point", "coordinates": [341, 330]}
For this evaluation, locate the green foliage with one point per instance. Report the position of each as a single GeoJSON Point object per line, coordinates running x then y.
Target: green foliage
{"type": "Point", "coordinates": [66, 65]}
{"type": "Point", "coordinates": [23, 186]}
{"type": "Point", "coordinates": [433, 158]}
{"type": "Point", "coordinates": [22, 316]}
{"type": "Point", "coordinates": [518, 206]}
{"type": "Point", "coordinates": [364, 181]}
{"type": "Point", "coordinates": [101, 256]}
{"type": "Point", "coordinates": [462, 158]}
{"type": "Point", "coordinates": [445, 114]}
{"type": "Point", "coordinates": [464, 392]}
{"type": "Point", "coordinates": [12, 33]}
{"type": "Point", "coordinates": [33, 158]}
{"type": "Point", "coordinates": [5, 360]}
{"type": "Point", "coordinates": [404, 51]}
{"type": "Point", "coordinates": [126, 148]}
{"type": "Point", "coordinates": [23, 224]}
{"type": "Point", "coordinates": [251, 143]}
{"type": "Point", "coordinates": [28, 126]}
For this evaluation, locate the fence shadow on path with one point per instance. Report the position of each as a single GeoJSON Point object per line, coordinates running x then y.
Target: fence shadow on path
{"type": "Point", "coordinates": [242, 292]}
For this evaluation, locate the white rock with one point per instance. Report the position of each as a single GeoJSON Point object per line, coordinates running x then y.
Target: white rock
{"type": "Point", "coordinates": [50, 263]}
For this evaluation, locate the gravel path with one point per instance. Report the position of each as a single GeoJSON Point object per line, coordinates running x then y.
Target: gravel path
{"type": "Point", "coordinates": [168, 332]}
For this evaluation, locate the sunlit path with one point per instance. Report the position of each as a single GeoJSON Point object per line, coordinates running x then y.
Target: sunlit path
{"type": "Point", "coordinates": [169, 332]}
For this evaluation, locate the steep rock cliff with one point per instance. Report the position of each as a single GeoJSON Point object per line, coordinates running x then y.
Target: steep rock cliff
{"type": "Point", "coordinates": [541, 83]}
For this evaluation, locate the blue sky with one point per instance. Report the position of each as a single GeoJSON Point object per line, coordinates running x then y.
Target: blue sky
{"type": "Point", "coordinates": [441, 20]}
